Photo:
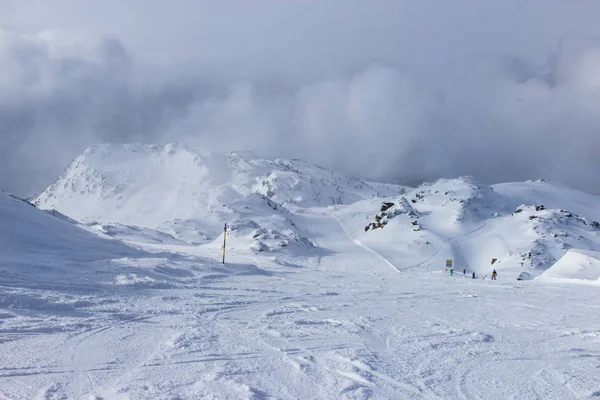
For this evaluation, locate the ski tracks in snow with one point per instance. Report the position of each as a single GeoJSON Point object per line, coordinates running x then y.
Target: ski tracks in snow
{"type": "Point", "coordinates": [450, 242]}
{"type": "Point", "coordinates": [367, 248]}
{"type": "Point", "coordinates": [350, 329]}
{"type": "Point", "coordinates": [353, 239]}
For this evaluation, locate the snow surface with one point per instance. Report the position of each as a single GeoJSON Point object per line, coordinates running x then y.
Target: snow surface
{"type": "Point", "coordinates": [41, 236]}
{"type": "Point", "coordinates": [576, 266]}
{"type": "Point", "coordinates": [133, 303]}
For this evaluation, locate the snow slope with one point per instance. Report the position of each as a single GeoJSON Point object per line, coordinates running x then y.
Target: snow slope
{"type": "Point", "coordinates": [27, 230]}
{"type": "Point", "coordinates": [190, 194]}
{"type": "Point", "coordinates": [326, 293]}
{"type": "Point", "coordinates": [344, 324]}
{"type": "Point", "coordinates": [148, 185]}
{"type": "Point", "coordinates": [472, 224]}
{"type": "Point", "coordinates": [43, 252]}
{"type": "Point", "coordinates": [576, 266]}
{"type": "Point", "coordinates": [552, 195]}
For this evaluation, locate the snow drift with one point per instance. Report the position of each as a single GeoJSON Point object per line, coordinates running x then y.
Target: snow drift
{"type": "Point", "coordinates": [576, 266]}
{"type": "Point", "coordinates": [28, 232]}
{"type": "Point", "coordinates": [40, 251]}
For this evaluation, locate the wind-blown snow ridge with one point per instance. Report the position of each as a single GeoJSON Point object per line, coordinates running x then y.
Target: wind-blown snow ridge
{"type": "Point", "coordinates": [45, 252]}
{"type": "Point", "coordinates": [576, 266]}
{"type": "Point", "coordinates": [27, 230]}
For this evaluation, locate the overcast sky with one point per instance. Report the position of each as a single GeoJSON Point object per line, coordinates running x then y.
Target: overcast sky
{"type": "Point", "coordinates": [393, 90]}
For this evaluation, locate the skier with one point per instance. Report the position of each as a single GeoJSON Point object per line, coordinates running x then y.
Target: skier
{"type": "Point", "coordinates": [452, 271]}
{"type": "Point", "coordinates": [494, 275]}
{"type": "Point", "coordinates": [464, 271]}
{"type": "Point", "coordinates": [473, 275]}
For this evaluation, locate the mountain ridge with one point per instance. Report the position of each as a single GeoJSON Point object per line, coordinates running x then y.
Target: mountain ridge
{"type": "Point", "coordinates": [185, 193]}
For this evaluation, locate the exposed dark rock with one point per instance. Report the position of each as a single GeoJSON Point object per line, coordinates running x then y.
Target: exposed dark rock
{"type": "Point", "coordinates": [386, 205]}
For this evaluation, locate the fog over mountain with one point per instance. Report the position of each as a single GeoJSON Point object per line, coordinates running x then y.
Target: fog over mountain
{"type": "Point", "coordinates": [400, 91]}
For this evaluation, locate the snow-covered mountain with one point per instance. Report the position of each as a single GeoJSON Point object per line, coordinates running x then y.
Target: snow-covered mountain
{"type": "Point", "coordinates": [526, 227]}
{"type": "Point", "coordinates": [333, 287]}
{"type": "Point", "coordinates": [181, 193]}
{"type": "Point", "coordinates": [147, 185]}
{"type": "Point", "coordinates": [190, 193]}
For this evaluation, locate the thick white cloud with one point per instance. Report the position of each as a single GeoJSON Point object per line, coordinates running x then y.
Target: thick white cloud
{"type": "Point", "coordinates": [400, 90]}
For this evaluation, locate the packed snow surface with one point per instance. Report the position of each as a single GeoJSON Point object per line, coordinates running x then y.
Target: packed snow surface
{"type": "Point", "coordinates": [333, 288]}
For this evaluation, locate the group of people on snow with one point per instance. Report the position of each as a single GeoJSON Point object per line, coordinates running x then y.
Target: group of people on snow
{"type": "Point", "coordinates": [494, 273]}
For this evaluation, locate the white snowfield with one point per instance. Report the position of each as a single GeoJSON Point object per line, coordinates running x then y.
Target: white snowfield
{"type": "Point", "coordinates": [334, 288]}
{"type": "Point", "coordinates": [577, 266]}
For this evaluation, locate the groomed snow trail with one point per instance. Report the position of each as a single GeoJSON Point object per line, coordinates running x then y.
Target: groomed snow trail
{"type": "Point", "coordinates": [349, 327]}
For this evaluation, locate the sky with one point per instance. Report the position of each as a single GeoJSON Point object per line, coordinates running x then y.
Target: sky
{"type": "Point", "coordinates": [395, 90]}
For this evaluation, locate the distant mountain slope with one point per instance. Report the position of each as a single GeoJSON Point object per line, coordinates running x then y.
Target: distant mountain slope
{"type": "Point", "coordinates": [162, 193]}
{"type": "Point", "coordinates": [552, 195]}
{"type": "Point", "coordinates": [189, 193]}
{"type": "Point", "coordinates": [527, 227]}
{"type": "Point", "coordinates": [147, 185]}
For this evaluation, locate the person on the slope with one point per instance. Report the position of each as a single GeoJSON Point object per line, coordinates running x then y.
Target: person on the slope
{"type": "Point", "coordinates": [473, 275]}
{"type": "Point", "coordinates": [464, 271]}
{"type": "Point", "coordinates": [452, 271]}
{"type": "Point", "coordinates": [494, 275]}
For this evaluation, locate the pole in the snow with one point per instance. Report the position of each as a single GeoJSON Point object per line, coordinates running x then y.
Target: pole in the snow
{"type": "Point", "coordinates": [224, 241]}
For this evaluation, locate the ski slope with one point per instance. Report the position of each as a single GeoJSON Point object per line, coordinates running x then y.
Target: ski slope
{"type": "Point", "coordinates": [472, 224]}
{"type": "Point", "coordinates": [347, 326]}
{"type": "Point", "coordinates": [309, 304]}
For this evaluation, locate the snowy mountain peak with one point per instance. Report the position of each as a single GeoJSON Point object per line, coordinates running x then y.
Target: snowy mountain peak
{"type": "Point", "coordinates": [148, 185]}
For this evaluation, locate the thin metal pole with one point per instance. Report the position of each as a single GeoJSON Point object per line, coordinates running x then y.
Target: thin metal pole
{"type": "Point", "coordinates": [224, 241]}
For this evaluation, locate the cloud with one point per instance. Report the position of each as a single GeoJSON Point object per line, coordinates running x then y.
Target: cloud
{"type": "Point", "coordinates": [453, 90]}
